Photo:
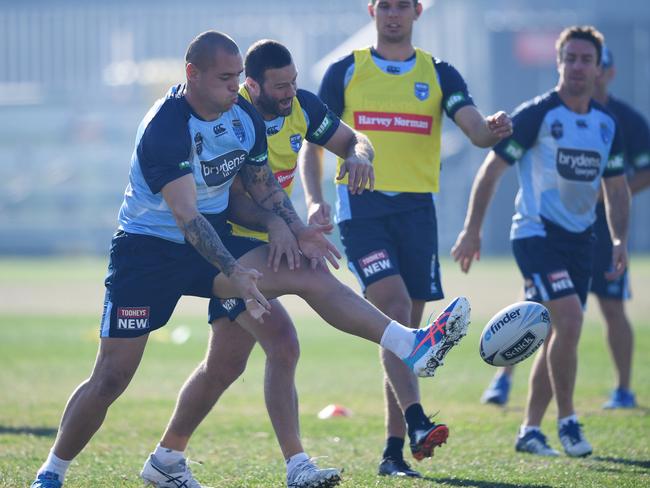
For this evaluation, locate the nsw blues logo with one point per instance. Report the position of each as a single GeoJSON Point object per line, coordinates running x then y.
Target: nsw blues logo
{"type": "Point", "coordinates": [421, 90]}
{"type": "Point", "coordinates": [238, 129]}
{"type": "Point", "coordinates": [605, 133]}
{"type": "Point", "coordinates": [557, 130]}
{"type": "Point", "coordinates": [296, 142]}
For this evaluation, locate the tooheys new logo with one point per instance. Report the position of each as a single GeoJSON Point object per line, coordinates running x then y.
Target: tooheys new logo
{"type": "Point", "coordinates": [578, 164]}
{"type": "Point", "coordinates": [222, 168]}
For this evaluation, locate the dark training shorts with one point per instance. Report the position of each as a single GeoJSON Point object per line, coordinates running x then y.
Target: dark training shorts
{"type": "Point", "coordinates": [404, 244]}
{"type": "Point", "coordinates": [557, 265]}
{"type": "Point", "coordinates": [619, 288]}
{"type": "Point", "coordinates": [148, 275]}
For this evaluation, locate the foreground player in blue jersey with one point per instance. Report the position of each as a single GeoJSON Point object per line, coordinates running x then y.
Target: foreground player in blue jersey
{"type": "Point", "coordinates": [173, 240]}
{"type": "Point", "coordinates": [397, 95]}
{"type": "Point", "coordinates": [291, 116]}
{"type": "Point", "coordinates": [565, 145]}
{"type": "Point", "coordinates": [611, 294]}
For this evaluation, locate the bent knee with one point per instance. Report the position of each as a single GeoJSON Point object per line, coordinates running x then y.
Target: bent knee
{"type": "Point", "coordinates": [109, 386]}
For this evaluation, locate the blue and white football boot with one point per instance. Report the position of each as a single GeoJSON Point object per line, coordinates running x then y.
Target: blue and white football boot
{"type": "Point", "coordinates": [47, 479]}
{"type": "Point", "coordinates": [534, 442]}
{"type": "Point", "coordinates": [176, 475]}
{"type": "Point", "coordinates": [620, 398]}
{"type": "Point", "coordinates": [432, 343]}
{"type": "Point", "coordinates": [498, 391]}
{"type": "Point", "coordinates": [573, 440]}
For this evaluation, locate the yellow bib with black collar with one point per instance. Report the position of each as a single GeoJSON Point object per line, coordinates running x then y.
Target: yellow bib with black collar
{"type": "Point", "coordinates": [283, 155]}
{"type": "Point", "coordinates": [402, 116]}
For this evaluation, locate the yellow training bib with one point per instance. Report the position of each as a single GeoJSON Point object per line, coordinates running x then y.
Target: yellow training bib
{"type": "Point", "coordinates": [402, 116]}
{"type": "Point", "coordinates": [283, 155]}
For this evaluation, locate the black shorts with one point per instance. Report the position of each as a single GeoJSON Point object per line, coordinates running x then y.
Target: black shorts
{"type": "Point", "coordinates": [619, 288]}
{"type": "Point", "coordinates": [148, 275]}
{"type": "Point", "coordinates": [404, 244]}
{"type": "Point", "coordinates": [555, 266]}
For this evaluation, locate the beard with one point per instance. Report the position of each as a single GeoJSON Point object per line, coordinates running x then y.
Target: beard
{"type": "Point", "coordinates": [272, 106]}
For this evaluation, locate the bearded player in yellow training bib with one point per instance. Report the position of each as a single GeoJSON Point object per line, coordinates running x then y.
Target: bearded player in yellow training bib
{"type": "Point", "coordinates": [396, 94]}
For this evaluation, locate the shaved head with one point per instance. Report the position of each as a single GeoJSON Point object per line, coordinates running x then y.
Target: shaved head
{"type": "Point", "coordinates": [201, 51]}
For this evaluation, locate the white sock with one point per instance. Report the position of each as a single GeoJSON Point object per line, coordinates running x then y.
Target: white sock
{"type": "Point", "coordinates": [565, 420]}
{"type": "Point", "coordinates": [525, 429]}
{"type": "Point", "coordinates": [167, 456]}
{"type": "Point", "coordinates": [398, 339]}
{"type": "Point", "coordinates": [295, 460]}
{"type": "Point", "coordinates": [56, 465]}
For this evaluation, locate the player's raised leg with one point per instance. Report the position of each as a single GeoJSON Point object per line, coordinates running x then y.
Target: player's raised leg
{"type": "Point", "coordinates": [423, 350]}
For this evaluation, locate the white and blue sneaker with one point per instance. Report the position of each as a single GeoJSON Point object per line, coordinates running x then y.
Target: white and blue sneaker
{"type": "Point", "coordinates": [534, 442]}
{"type": "Point", "coordinates": [307, 475]}
{"type": "Point", "coordinates": [498, 391]}
{"type": "Point", "coordinates": [47, 479]}
{"type": "Point", "coordinates": [620, 398]}
{"type": "Point", "coordinates": [432, 343]}
{"type": "Point", "coordinates": [573, 440]}
{"type": "Point", "coordinates": [176, 475]}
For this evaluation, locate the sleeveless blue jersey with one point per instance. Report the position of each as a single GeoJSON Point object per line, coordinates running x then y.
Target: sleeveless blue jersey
{"type": "Point", "coordinates": [173, 141]}
{"type": "Point", "coordinates": [561, 157]}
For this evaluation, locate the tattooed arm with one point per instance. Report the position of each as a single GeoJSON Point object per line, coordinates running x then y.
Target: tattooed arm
{"type": "Point", "coordinates": [262, 186]}
{"type": "Point", "coordinates": [180, 196]}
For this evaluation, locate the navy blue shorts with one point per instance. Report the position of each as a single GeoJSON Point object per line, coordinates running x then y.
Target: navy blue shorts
{"type": "Point", "coordinates": [404, 244]}
{"type": "Point", "coordinates": [555, 266]}
{"type": "Point", "coordinates": [619, 288]}
{"type": "Point", "coordinates": [148, 275]}
{"type": "Point", "coordinates": [229, 307]}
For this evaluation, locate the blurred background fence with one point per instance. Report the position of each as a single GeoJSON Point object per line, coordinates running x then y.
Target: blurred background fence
{"type": "Point", "coordinates": [77, 76]}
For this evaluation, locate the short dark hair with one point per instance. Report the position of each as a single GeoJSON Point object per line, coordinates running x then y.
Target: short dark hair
{"type": "Point", "coordinates": [201, 50]}
{"type": "Point", "coordinates": [584, 32]}
{"type": "Point", "coordinates": [265, 54]}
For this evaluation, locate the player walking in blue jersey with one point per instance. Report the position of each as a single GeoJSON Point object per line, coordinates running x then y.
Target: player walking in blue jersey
{"type": "Point", "coordinates": [173, 240]}
{"type": "Point", "coordinates": [611, 294]}
{"type": "Point", "coordinates": [396, 93]}
{"type": "Point", "coordinates": [565, 145]}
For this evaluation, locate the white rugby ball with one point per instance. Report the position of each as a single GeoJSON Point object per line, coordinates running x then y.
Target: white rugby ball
{"type": "Point", "coordinates": [514, 333]}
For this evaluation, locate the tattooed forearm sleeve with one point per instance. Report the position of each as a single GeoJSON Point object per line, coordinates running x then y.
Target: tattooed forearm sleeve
{"type": "Point", "coordinates": [261, 184]}
{"type": "Point", "coordinates": [206, 241]}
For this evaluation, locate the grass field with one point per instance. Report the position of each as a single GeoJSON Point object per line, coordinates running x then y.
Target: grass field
{"type": "Point", "coordinates": [48, 339]}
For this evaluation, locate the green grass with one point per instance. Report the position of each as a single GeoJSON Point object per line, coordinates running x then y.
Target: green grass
{"type": "Point", "coordinates": [43, 357]}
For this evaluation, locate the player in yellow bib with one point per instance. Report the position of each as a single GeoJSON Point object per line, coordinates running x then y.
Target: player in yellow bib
{"type": "Point", "coordinates": [291, 116]}
{"type": "Point", "coordinates": [396, 94]}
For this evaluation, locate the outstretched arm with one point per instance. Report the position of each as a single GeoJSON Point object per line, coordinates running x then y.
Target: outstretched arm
{"type": "Point", "coordinates": [244, 211]}
{"type": "Point", "coordinates": [180, 196]}
{"type": "Point", "coordinates": [265, 190]}
{"type": "Point", "coordinates": [617, 209]}
{"type": "Point", "coordinates": [468, 243]}
{"type": "Point", "coordinates": [483, 131]}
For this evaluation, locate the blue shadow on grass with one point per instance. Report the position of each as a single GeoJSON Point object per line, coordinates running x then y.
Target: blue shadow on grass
{"type": "Point", "coordinates": [27, 430]}
{"type": "Point", "coordinates": [480, 483]}
{"type": "Point", "coordinates": [639, 463]}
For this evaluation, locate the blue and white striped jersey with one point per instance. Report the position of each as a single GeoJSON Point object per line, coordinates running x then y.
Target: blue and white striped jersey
{"type": "Point", "coordinates": [173, 141]}
{"type": "Point", "coordinates": [562, 156]}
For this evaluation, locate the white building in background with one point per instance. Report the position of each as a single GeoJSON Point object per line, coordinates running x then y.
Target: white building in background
{"type": "Point", "coordinates": [76, 77]}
